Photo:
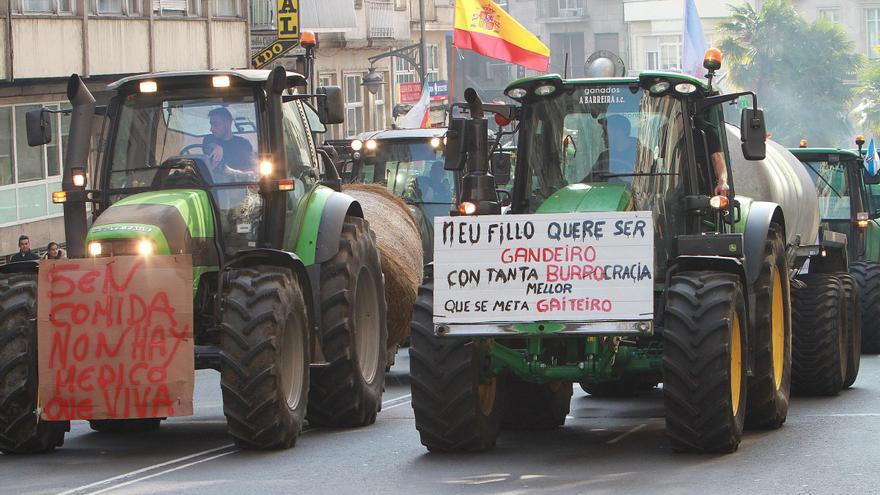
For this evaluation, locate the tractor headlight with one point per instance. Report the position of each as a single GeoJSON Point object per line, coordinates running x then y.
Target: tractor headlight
{"type": "Point", "coordinates": [95, 248]}
{"type": "Point", "coordinates": [719, 202]}
{"type": "Point", "coordinates": [356, 145]}
{"type": "Point", "coordinates": [372, 145]}
{"type": "Point", "coordinates": [145, 247]}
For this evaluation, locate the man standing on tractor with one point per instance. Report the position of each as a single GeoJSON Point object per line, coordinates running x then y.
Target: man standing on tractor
{"type": "Point", "coordinates": [24, 251]}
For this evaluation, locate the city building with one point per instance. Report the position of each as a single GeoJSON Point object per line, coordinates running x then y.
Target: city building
{"type": "Point", "coordinates": [42, 42]}
{"type": "Point", "coordinates": [860, 20]}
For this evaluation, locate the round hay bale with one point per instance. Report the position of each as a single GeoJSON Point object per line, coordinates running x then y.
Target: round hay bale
{"type": "Point", "coordinates": [400, 250]}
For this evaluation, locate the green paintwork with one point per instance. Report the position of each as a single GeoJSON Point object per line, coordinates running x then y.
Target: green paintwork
{"type": "Point", "coordinates": [872, 242]}
{"type": "Point", "coordinates": [194, 206]}
{"type": "Point", "coordinates": [198, 271]}
{"type": "Point", "coordinates": [745, 206]}
{"type": "Point", "coordinates": [305, 232]}
{"type": "Point", "coordinates": [800, 152]}
{"type": "Point", "coordinates": [588, 197]}
{"type": "Point", "coordinates": [130, 231]}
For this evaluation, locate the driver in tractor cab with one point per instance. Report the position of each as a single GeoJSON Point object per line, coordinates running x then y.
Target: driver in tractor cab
{"type": "Point", "coordinates": [231, 157]}
{"type": "Point", "coordinates": [620, 157]}
{"type": "Point", "coordinates": [713, 149]}
{"type": "Point", "coordinates": [434, 187]}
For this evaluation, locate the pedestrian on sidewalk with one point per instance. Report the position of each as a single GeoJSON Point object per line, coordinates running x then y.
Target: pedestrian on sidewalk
{"type": "Point", "coordinates": [24, 251]}
{"type": "Point", "coordinates": [54, 252]}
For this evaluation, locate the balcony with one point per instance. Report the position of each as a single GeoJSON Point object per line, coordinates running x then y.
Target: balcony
{"type": "Point", "coordinates": [561, 11]}
{"type": "Point", "coordinates": [380, 19]}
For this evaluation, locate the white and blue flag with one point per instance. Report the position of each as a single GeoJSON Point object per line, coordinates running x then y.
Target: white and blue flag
{"type": "Point", "coordinates": [872, 160]}
{"type": "Point", "coordinates": [693, 43]}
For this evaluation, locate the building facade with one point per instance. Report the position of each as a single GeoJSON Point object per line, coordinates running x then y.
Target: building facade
{"type": "Point", "coordinates": [859, 18]}
{"type": "Point", "coordinates": [42, 42]}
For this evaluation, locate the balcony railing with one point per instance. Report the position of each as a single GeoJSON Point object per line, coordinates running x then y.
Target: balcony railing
{"type": "Point", "coordinates": [551, 9]}
{"type": "Point", "coordinates": [380, 19]}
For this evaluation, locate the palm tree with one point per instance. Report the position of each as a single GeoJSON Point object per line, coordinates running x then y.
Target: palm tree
{"type": "Point", "coordinates": [799, 70]}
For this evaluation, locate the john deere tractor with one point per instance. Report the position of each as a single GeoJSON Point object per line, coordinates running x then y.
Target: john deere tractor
{"type": "Point", "coordinates": [850, 204]}
{"type": "Point", "coordinates": [708, 314]}
{"type": "Point", "coordinates": [287, 287]}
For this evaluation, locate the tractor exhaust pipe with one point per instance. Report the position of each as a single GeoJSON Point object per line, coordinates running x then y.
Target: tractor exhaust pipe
{"type": "Point", "coordinates": [77, 157]}
{"type": "Point", "coordinates": [478, 185]}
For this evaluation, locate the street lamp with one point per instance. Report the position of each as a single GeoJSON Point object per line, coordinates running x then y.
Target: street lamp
{"type": "Point", "coordinates": [373, 81]}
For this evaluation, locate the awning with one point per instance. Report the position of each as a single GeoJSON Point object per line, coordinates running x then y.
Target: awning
{"type": "Point", "coordinates": [341, 20]}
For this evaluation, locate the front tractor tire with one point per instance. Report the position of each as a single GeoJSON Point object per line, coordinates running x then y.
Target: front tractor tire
{"type": "Point", "coordinates": [264, 371]}
{"type": "Point", "coordinates": [704, 362]}
{"type": "Point", "coordinates": [819, 337]}
{"type": "Point", "coordinates": [853, 327]}
{"type": "Point", "coordinates": [867, 275]}
{"type": "Point", "coordinates": [348, 391]}
{"type": "Point", "coordinates": [770, 384]}
{"type": "Point", "coordinates": [456, 404]}
{"type": "Point", "coordinates": [21, 429]}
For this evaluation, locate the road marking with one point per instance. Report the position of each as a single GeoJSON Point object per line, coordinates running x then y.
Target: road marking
{"type": "Point", "coordinates": [839, 415]}
{"type": "Point", "coordinates": [630, 432]}
{"type": "Point", "coordinates": [83, 489]}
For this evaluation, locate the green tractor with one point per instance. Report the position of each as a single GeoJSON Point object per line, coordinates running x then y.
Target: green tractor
{"type": "Point", "coordinates": [848, 203]}
{"type": "Point", "coordinates": [715, 322]}
{"type": "Point", "coordinates": [288, 295]}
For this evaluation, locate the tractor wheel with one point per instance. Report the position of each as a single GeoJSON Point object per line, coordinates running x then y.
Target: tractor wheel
{"type": "Point", "coordinates": [853, 327]}
{"type": "Point", "coordinates": [534, 406]}
{"type": "Point", "coordinates": [867, 275]}
{"type": "Point", "coordinates": [125, 425]}
{"type": "Point", "coordinates": [704, 362]}
{"type": "Point", "coordinates": [456, 406]}
{"type": "Point", "coordinates": [348, 392]}
{"type": "Point", "coordinates": [264, 372]}
{"type": "Point", "coordinates": [770, 384]}
{"type": "Point", "coordinates": [21, 429]}
{"type": "Point", "coordinates": [623, 386]}
{"type": "Point", "coordinates": [818, 336]}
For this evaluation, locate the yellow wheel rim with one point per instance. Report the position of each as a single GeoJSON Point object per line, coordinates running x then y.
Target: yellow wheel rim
{"type": "Point", "coordinates": [777, 330]}
{"type": "Point", "coordinates": [486, 396]}
{"type": "Point", "coordinates": [735, 365]}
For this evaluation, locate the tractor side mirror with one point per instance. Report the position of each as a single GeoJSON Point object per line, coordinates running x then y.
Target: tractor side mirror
{"type": "Point", "coordinates": [754, 134]}
{"type": "Point", "coordinates": [331, 107]}
{"type": "Point", "coordinates": [39, 127]}
{"type": "Point", "coordinates": [501, 164]}
{"type": "Point", "coordinates": [454, 145]}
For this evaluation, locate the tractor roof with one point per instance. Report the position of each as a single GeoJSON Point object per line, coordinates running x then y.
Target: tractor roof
{"type": "Point", "coordinates": [803, 152]}
{"type": "Point", "coordinates": [700, 83]}
{"type": "Point", "coordinates": [249, 75]}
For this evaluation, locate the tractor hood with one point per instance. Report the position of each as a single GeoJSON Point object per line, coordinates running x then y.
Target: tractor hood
{"type": "Point", "coordinates": [588, 197]}
{"type": "Point", "coordinates": [178, 221]}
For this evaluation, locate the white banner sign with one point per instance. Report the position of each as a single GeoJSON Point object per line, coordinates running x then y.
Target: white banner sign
{"type": "Point", "coordinates": [574, 267]}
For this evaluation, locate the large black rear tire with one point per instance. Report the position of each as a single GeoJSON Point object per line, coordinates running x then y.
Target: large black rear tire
{"type": "Point", "coordinates": [853, 327]}
{"type": "Point", "coordinates": [704, 362]}
{"type": "Point", "coordinates": [21, 429]}
{"type": "Point", "coordinates": [457, 408]}
{"type": "Point", "coordinates": [819, 336]}
{"type": "Point", "coordinates": [534, 406]}
{"type": "Point", "coordinates": [867, 275]}
{"type": "Point", "coordinates": [354, 333]}
{"type": "Point", "coordinates": [264, 371]}
{"type": "Point", "coordinates": [770, 383]}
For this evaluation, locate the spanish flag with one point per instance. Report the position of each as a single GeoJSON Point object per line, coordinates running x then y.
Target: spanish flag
{"type": "Point", "coordinates": [484, 27]}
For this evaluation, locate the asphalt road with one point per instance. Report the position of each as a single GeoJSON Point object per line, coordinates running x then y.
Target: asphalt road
{"type": "Point", "coordinates": [829, 445]}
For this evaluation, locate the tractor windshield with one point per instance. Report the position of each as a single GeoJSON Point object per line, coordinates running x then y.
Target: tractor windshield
{"type": "Point", "coordinates": [832, 184]}
{"type": "Point", "coordinates": [411, 170]}
{"type": "Point", "coordinates": [171, 137]}
{"type": "Point", "coordinates": [603, 134]}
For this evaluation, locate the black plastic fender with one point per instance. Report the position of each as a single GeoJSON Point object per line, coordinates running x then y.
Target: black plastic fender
{"type": "Point", "coordinates": [761, 215]}
{"type": "Point", "coordinates": [30, 266]}
{"type": "Point", "coordinates": [337, 207]}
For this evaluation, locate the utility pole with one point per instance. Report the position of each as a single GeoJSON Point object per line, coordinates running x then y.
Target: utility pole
{"type": "Point", "coordinates": [423, 69]}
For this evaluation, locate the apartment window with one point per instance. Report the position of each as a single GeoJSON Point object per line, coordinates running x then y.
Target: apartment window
{"type": "Point", "coordinates": [570, 8]}
{"type": "Point", "coordinates": [354, 105]}
{"type": "Point", "coordinates": [333, 131]}
{"type": "Point", "coordinates": [400, 4]}
{"type": "Point", "coordinates": [379, 116]}
{"type": "Point", "coordinates": [172, 8]}
{"type": "Point", "coordinates": [432, 68]}
{"type": "Point", "coordinates": [872, 28]}
{"type": "Point", "coordinates": [652, 60]}
{"type": "Point", "coordinates": [28, 176]}
{"type": "Point", "coordinates": [226, 8]}
{"type": "Point", "coordinates": [45, 6]}
{"type": "Point", "coordinates": [116, 7]}
{"type": "Point", "coordinates": [262, 14]}
{"type": "Point", "coordinates": [404, 72]}
{"type": "Point", "coordinates": [833, 15]}
{"type": "Point", "coordinates": [661, 52]}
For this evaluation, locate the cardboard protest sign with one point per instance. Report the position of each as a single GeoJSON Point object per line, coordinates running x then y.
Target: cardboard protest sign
{"type": "Point", "coordinates": [115, 337]}
{"type": "Point", "coordinates": [573, 267]}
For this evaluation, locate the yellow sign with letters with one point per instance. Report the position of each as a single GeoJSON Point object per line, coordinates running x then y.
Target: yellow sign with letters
{"type": "Point", "coordinates": [288, 19]}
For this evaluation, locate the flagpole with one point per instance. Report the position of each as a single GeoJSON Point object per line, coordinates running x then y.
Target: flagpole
{"type": "Point", "coordinates": [451, 92]}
